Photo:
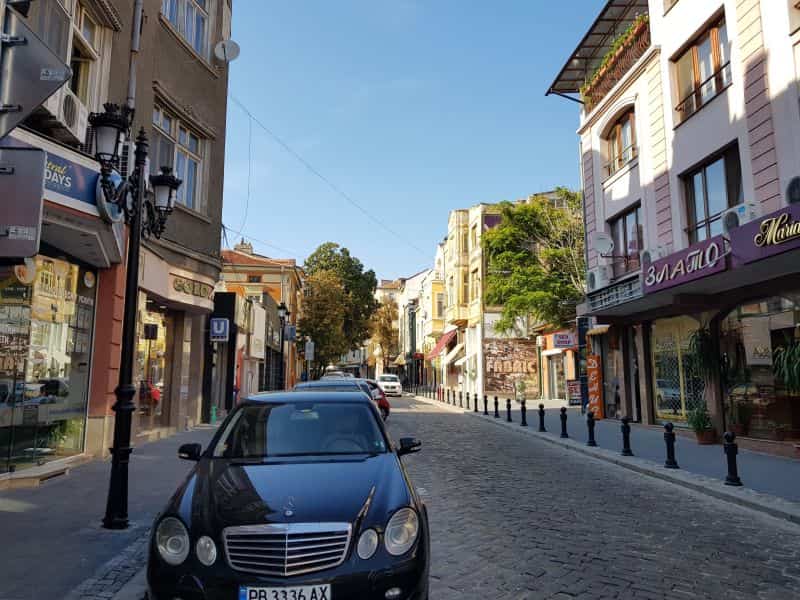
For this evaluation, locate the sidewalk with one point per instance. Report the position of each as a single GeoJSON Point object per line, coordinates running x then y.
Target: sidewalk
{"type": "Point", "coordinates": [701, 467]}
{"type": "Point", "coordinates": [53, 541]}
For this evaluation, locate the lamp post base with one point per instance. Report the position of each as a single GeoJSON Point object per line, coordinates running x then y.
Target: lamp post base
{"type": "Point", "coordinates": [116, 516]}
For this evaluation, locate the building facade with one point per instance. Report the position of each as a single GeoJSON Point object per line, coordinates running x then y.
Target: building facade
{"type": "Point", "coordinates": [689, 146]}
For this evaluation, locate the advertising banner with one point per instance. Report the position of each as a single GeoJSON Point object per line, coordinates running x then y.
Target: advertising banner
{"type": "Point", "coordinates": [595, 376]}
{"type": "Point", "coordinates": [772, 234]}
{"type": "Point", "coordinates": [509, 362]}
{"type": "Point", "coordinates": [574, 392]}
{"type": "Point", "coordinates": [564, 339]}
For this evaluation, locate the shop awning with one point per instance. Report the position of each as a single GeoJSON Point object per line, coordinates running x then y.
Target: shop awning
{"type": "Point", "coordinates": [598, 330]}
{"type": "Point", "coordinates": [454, 354]}
{"type": "Point", "coordinates": [441, 344]}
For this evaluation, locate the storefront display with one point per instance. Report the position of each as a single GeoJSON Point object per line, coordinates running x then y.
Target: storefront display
{"type": "Point", "coordinates": [760, 346]}
{"type": "Point", "coordinates": [151, 366]}
{"type": "Point", "coordinates": [46, 325]}
{"type": "Point", "coordinates": [677, 386]}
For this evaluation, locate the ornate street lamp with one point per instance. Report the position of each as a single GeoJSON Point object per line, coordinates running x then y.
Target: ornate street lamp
{"type": "Point", "coordinates": [283, 314]}
{"type": "Point", "coordinates": [145, 215]}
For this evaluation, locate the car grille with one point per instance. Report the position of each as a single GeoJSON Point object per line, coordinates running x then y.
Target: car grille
{"type": "Point", "coordinates": [286, 549]}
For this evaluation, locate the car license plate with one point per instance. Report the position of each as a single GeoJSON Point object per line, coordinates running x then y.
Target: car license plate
{"type": "Point", "coordinates": [305, 592]}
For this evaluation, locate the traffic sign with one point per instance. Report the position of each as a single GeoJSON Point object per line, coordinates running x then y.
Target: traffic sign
{"type": "Point", "coordinates": [309, 350]}
{"type": "Point", "coordinates": [220, 330]}
{"type": "Point", "coordinates": [30, 72]}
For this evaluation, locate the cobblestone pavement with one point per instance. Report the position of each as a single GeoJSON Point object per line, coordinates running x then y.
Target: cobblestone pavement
{"type": "Point", "coordinates": [514, 517]}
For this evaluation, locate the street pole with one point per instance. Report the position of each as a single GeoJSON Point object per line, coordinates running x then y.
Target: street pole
{"type": "Point", "coordinates": [283, 365]}
{"type": "Point", "coordinates": [117, 505]}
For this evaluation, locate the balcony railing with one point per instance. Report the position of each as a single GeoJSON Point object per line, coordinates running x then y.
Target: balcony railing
{"type": "Point", "coordinates": [704, 92]}
{"type": "Point", "coordinates": [632, 45]}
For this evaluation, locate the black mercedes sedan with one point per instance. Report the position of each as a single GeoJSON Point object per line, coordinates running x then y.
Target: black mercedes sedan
{"type": "Point", "coordinates": [299, 496]}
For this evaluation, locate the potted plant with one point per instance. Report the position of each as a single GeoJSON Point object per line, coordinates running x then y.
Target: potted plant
{"type": "Point", "coordinates": [700, 421]}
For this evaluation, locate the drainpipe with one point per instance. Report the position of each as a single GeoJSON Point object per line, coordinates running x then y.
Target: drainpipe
{"type": "Point", "coordinates": [136, 38]}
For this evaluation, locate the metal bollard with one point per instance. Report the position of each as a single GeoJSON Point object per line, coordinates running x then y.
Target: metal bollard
{"type": "Point", "coordinates": [508, 410]}
{"type": "Point", "coordinates": [486, 405]}
{"type": "Point", "coordinates": [523, 411]}
{"type": "Point", "coordinates": [448, 395]}
{"type": "Point", "coordinates": [496, 409]}
{"type": "Point", "coordinates": [590, 427]}
{"type": "Point", "coordinates": [541, 418]}
{"type": "Point", "coordinates": [460, 398]}
{"type": "Point", "coordinates": [467, 399]}
{"type": "Point", "coordinates": [669, 440]}
{"type": "Point", "coordinates": [563, 417]}
{"type": "Point", "coordinates": [731, 450]}
{"type": "Point", "coordinates": [626, 437]}
{"type": "Point", "coordinates": [475, 408]}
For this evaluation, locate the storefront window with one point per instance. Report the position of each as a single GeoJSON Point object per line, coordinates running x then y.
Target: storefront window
{"type": "Point", "coordinates": [151, 366]}
{"type": "Point", "coordinates": [761, 398]}
{"type": "Point", "coordinates": [46, 322]}
{"type": "Point", "coordinates": [678, 388]}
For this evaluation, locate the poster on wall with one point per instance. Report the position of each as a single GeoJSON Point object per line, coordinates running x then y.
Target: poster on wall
{"type": "Point", "coordinates": [757, 340]}
{"type": "Point", "coordinates": [509, 362]}
{"type": "Point", "coordinates": [595, 376]}
{"type": "Point", "coordinates": [574, 392]}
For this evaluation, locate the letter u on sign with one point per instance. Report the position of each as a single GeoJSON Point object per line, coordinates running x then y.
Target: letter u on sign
{"type": "Point", "coordinates": [219, 330]}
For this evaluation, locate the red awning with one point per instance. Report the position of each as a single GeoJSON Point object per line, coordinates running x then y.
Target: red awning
{"type": "Point", "coordinates": [443, 341]}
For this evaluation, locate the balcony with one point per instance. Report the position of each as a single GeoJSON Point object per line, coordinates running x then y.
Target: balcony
{"type": "Point", "coordinates": [457, 314]}
{"type": "Point", "coordinates": [626, 49]}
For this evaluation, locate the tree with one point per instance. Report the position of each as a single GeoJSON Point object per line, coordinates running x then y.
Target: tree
{"type": "Point", "coordinates": [384, 333]}
{"type": "Point", "coordinates": [322, 318]}
{"type": "Point", "coordinates": [535, 260]}
{"type": "Point", "coordinates": [359, 288]}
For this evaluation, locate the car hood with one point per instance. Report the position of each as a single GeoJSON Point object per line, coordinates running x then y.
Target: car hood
{"type": "Point", "coordinates": [225, 493]}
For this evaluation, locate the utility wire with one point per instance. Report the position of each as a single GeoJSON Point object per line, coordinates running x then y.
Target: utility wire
{"type": "Point", "coordinates": [324, 179]}
{"type": "Point", "coordinates": [249, 170]}
{"type": "Point", "coordinates": [292, 253]}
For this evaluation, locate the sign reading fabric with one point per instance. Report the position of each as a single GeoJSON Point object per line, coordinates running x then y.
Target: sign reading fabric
{"type": "Point", "coordinates": [595, 376]}
{"type": "Point", "coordinates": [772, 234]}
{"type": "Point", "coordinates": [695, 262]}
{"type": "Point", "coordinates": [509, 361]}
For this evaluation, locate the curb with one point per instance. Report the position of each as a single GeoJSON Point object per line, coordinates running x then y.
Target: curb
{"type": "Point", "coordinates": [764, 503]}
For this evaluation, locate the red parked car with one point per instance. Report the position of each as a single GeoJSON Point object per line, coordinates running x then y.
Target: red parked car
{"type": "Point", "coordinates": [380, 397]}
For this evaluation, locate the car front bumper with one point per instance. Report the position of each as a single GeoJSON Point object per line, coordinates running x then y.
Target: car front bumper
{"type": "Point", "coordinates": [194, 582]}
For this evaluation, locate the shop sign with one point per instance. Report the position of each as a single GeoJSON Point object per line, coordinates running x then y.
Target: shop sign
{"type": "Point", "coordinates": [574, 392]}
{"type": "Point", "coordinates": [772, 234]}
{"type": "Point", "coordinates": [564, 340]}
{"type": "Point", "coordinates": [220, 330]}
{"type": "Point", "coordinates": [595, 376]}
{"type": "Point", "coordinates": [695, 262]}
{"type": "Point", "coordinates": [509, 361]}
{"type": "Point", "coordinates": [192, 287]}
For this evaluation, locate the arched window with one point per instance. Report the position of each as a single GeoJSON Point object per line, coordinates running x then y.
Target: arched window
{"type": "Point", "coordinates": [621, 139]}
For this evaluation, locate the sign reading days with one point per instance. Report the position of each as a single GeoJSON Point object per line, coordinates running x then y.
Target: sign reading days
{"type": "Point", "coordinates": [771, 234]}
{"type": "Point", "coordinates": [695, 262]}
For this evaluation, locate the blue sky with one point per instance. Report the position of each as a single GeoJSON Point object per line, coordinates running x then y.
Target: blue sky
{"type": "Point", "coordinates": [411, 108]}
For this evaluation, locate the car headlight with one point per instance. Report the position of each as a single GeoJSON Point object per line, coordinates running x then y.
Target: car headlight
{"type": "Point", "coordinates": [367, 544]}
{"type": "Point", "coordinates": [401, 531]}
{"type": "Point", "coordinates": [172, 541]}
{"type": "Point", "coordinates": [206, 550]}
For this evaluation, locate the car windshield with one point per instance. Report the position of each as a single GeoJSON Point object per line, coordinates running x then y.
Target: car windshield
{"type": "Point", "coordinates": [328, 387]}
{"type": "Point", "coordinates": [391, 378]}
{"type": "Point", "coordinates": [301, 429]}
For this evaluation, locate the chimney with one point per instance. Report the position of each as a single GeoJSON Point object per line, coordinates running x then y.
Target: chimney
{"type": "Point", "coordinates": [245, 247]}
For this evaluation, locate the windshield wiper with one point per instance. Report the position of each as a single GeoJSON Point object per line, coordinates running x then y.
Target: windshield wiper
{"type": "Point", "coordinates": [289, 455]}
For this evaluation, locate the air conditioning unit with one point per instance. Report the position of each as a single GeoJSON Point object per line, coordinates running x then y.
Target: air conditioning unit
{"type": "Point", "coordinates": [652, 254]}
{"type": "Point", "coordinates": [598, 278]}
{"type": "Point", "coordinates": [74, 115]}
{"type": "Point", "coordinates": [739, 215]}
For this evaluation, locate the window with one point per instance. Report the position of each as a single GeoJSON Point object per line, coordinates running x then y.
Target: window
{"type": "Point", "coordinates": [476, 285]}
{"type": "Point", "coordinates": [254, 278]}
{"type": "Point", "coordinates": [626, 230]}
{"type": "Point", "coordinates": [474, 234]}
{"type": "Point", "coordinates": [81, 65]}
{"type": "Point", "coordinates": [464, 242]}
{"type": "Point", "coordinates": [439, 306]}
{"type": "Point", "coordinates": [710, 190]}
{"type": "Point", "coordinates": [621, 143]}
{"type": "Point", "coordinates": [189, 18]}
{"type": "Point", "coordinates": [451, 292]}
{"type": "Point", "coordinates": [703, 70]}
{"type": "Point", "coordinates": [465, 288]}
{"type": "Point", "coordinates": [173, 145]}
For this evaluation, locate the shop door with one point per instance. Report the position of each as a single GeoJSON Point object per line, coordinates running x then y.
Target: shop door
{"type": "Point", "coordinates": [610, 380]}
{"type": "Point", "coordinates": [555, 376]}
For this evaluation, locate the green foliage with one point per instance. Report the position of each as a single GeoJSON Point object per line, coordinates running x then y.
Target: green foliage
{"type": "Point", "coordinates": [322, 318]}
{"type": "Point", "coordinates": [786, 365]}
{"type": "Point", "coordinates": [699, 419]}
{"type": "Point", "coordinates": [535, 260]}
{"type": "Point", "coordinates": [618, 43]}
{"type": "Point", "coordinates": [359, 288]}
{"type": "Point", "coordinates": [384, 333]}
{"type": "Point", "coordinates": [704, 353]}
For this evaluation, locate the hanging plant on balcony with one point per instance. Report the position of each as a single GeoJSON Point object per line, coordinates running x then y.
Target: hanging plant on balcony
{"type": "Point", "coordinates": [620, 43]}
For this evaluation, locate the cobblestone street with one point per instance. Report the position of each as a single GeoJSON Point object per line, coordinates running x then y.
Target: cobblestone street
{"type": "Point", "coordinates": [514, 517]}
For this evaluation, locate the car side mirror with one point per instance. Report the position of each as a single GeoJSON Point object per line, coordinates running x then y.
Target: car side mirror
{"type": "Point", "coordinates": [409, 446]}
{"type": "Point", "coordinates": [190, 451]}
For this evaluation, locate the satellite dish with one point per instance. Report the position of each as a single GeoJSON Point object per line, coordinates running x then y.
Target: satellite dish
{"type": "Point", "coordinates": [603, 243]}
{"type": "Point", "coordinates": [227, 51]}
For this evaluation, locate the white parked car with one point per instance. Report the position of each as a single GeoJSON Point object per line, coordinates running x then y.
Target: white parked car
{"type": "Point", "coordinates": [390, 384]}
